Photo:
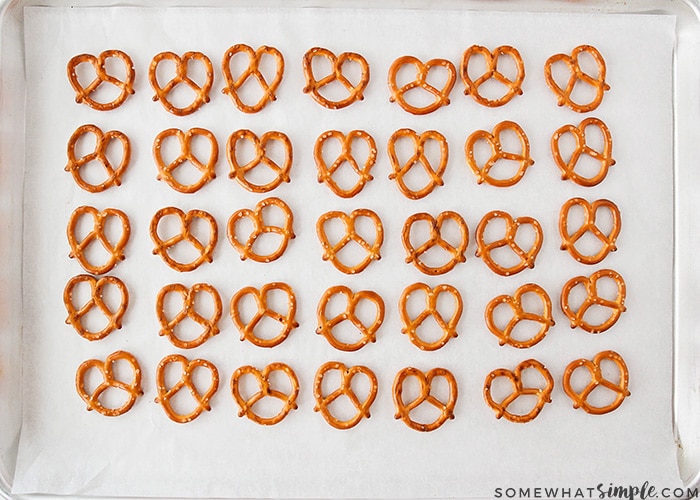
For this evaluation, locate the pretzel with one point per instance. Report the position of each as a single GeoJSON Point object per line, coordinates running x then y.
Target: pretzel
{"type": "Point", "coordinates": [82, 94]}
{"type": "Point", "coordinates": [616, 306]}
{"type": "Point", "coordinates": [165, 172]}
{"type": "Point", "coordinates": [543, 395]}
{"type": "Point", "coordinates": [418, 157]}
{"type": "Point", "coordinates": [99, 154]}
{"type": "Point", "coordinates": [421, 82]}
{"type": "Point", "coordinates": [353, 300]}
{"type": "Point", "coordinates": [325, 172]}
{"type": "Point", "coordinates": [181, 63]}
{"type": "Point", "coordinates": [162, 247]}
{"type": "Point", "coordinates": [576, 74]}
{"type": "Point", "coordinates": [99, 219]}
{"type": "Point", "coordinates": [96, 301]}
{"type": "Point", "coordinates": [252, 70]}
{"type": "Point", "coordinates": [106, 367]}
{"type": "Point", "coordinates": [403, 410]}
{"type": "Point", "coordinates": [493, 139]}
{"type": "Point", "coordinates": [413, 255]}
{"type": "Point", "coordinates": [261, 296]}
{"type": "Point", "coordinates": [165, 394]}
{"type": "Point", "coordinates": [568, 168]}
{"type": "Point", "coordinates": [448, 326]}
{"type": "Point", "coordinates": [189, 300]}
{"type": "Point", "coordinates": [239, 171]}
{"type": "Point", "coordinates": [580, 399]}
{"type": "Point", "coordinates": [330, 251]}
{"type": "Point", "coordinates": [345, 389]}
{"type": "Point", "coordinates": [491, 60]}
{"type": "Point", "coordinates": [527, 258]}
{"type": "Point", "coordinates": [313, 86]}
{"type": "Point", "coordinates": [265, 389]}
{"type": "Point", "coordinates": [568, 240]}
{"type": "Point", "coordinates": [260, 227]}
{"type": "Point", "coordinates": [515, 303]}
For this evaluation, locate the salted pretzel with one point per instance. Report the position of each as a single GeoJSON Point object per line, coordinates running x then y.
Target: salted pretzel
{"type": "Point", "coordinates": [97, 234]}
{"type": "Point", "coordinates": [493, 139]}
{"type": "Point", "coordinates": [313, 86]}
{"type": "Point", "coordinates": [323, 402]}
{"type": "Point", "coordinates": [257, 217]}
{"type": "Point", "coordinates": [286, 319]}
{"type": "Point", "coordinates": [421, 82]}
{"type": "Point", "coordinates": [607, 241]}
{"type": "Point", "coordinates": [352, 301]}
{"type": "Point", "coordinates": [96, 301]}
{"type": "Point", "coordinates": [512, 225]}
{"type": "Point", "coordinates": [233, 84]}
{"type": "Point", "coordinates": [432, 295]}
{"type": "Point", "coordinates": [163, 247]}
{"type": "Point", "coordinates": [168, 325]}
{"type": "Point", "coordinates": [109, 381]}
{"type": "Point", "coordinates": [265, 389]}
{"type": "Point", "coordinates": [515, 302]}
{"type": "Point", "coordinates": [166, 172]}
{"type": "Point", "coordinates": [580, 399]}
{"type": "Point", "coordinates": [616, 306]}
{"type": "Point", "coordinates": [165, 394]}
{"type": "Point", "coordinates": [181, 63]}
{"type": "Point", "coordinates": [326, 172]}
{"type": "Point", "coordinates": [514, 87]}
{"type": "Point", "coordinates": [261, 159]}
{"type": "Point", "coordinates": [417, 158]}
{"type": "Point", "coordinates": [83, 94]}
{"type": "Point", "coordinates": [331, 250]}
{"type": "Point", "coordinates": [413, 255]}
{"type": "Point", "coordinates": [425, 379]}
{"type": "Point", "coordinates": [576, 74]}
{"type": "Point", "coordinates": [99, 154]}
{"type": "Point", "coordinates": [543, 394]}
{"type": "Point", "coordinates": [604, 157]}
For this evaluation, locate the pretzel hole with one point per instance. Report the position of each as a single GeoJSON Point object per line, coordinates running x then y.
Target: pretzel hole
{"type": "Point", "coordinates": [483, 151]}
{"type": "Point", "coordinates": [525, 236]}
{"type": "Point", "coordinates": [345, 175]}
{"type": "Point", "coordinates": [601, 397]}
{"type": "Point", "coordinates": [561, 71]}
{"type": "Point", "coordinates": [501, 388]}
{"type": "Point", "coordinates": [523, 404]}
{"type": "Point", "coordinates": [336, 305]}
{"type": "Point", "coordinates": [607, 288]}
{"type": "Point", "coordinates": [525, 330]}
{"type": "Point", "coordinates": [583, 92]}
{"type": "Point", "coordinates": [425, 413]}
{"type": "Point", "coordinates": [597, 314]}
{"type": "Point", "coordinates": [594, 136]}
{"type": "Point", "coordinates": [580, 378]}
{"type": "Point", "coordinates": [268, 243]}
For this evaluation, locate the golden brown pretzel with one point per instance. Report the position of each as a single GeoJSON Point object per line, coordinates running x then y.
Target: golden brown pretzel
{"type": "Point", "coordinates": [239, 171]}
{"type": "Point", "coordinates": [604, 157]}
{"type": "Point", "coordinates": [265, 389]}
{"type": "Point", "coordinates": [491, 59]}
{"type": "Point", "coordinates": [543, 395]}
{"type": "Point", "coordinates": [313, 86]}
{"type": "Point", "coordinates": [323, 402]}
{"type": "Point", "coordinates": [162, 247]}
{"type": "Point", "coordinates": [413, 255]}
{"type": "Point", "coordinates": [99, 219]}
{"type": "Point", "coordinates": [96, 301]}
{"type": "Point", "coordinates": [421, 81]}
{"type": "Point", "coordinates": [330, 251]}
{"type": "Point", "coordinates": [285, 231]}
{"type": "Point", "coordinates": [616, 306]}
{"type": "Point", "coordinates": [484, 249]}
{"type": "Point", "coordinates": [580, 399]}
{"type": "Point", "coordinates": [166, 172]}
{"type": "Point", "coordinates": [448, 326]}
{"type": "Point", "coordinates": [568, 240]}
{"type": "Point", "coordinates": [168, 326]}
{"type": "Point", "coordinates": [576, 74]}
{"type": "Point", "coordinates": [233, 84]}
{"type": "Point", "coordinates": [425, 379]}
{"type": "Point", "coordinates": [106, 367]}
{"type": "Point", "coordinates": [99, 154]}
{"type": "Point", "coordinates": [82, 94]}
{"type": "Point", "coordinates": [181, 63]}
{"type": "Point", "coordinates": [165, 394]}
{"type": "Point", "coordinates": [264, 310]}
{"type": "Point", "coordinates": [325, 172]}
{"type": "Point", "coordinates": [434, 173]}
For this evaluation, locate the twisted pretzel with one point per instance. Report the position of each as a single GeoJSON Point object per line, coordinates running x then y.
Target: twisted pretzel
{"type": "Point", "coordinates": [576, 74]}
{"type": "Point", "coordinates": [253, 70]}
{"type": "Point", "coordinates": [568, 241]}
{"type": "Point", "coordinates": [422, 70]}
{"type": "Point", "coordinates": [162, 247]}
{"type": "Point", "coordinates": [577, 317]}
{"type": "Point", "coordinates": [99, 219]}
{"type": "Point", "coordinates": [313, 86]}
{"type": "Point", "coordinates": [345, 389]}
{"type": "Point", "coordinates": [403, 410]}
{"type": "Point", "coordinates": [181, 63]}
{"type": "Point", "coordinates": [99, 154]}
{"type": "Point", "coordinates": [568, 168]}
{"type": "Point", "coordinates": [330, 251]}
{"type": "Point", "coordinates": [448, 326]}
{"type": "Point", "coordinates": [166, 172]}
{"type": "Point", "coordinates": [491, 59]}
{"type": "Point", "coordinates": [239, 171]}
{"type": "Point", "coordinates": [418, 157]}
{"type": "Point", "coordinates": [106, 367]}
{"type": "Point", "coordinates": [165, 394]}
{"type": "Point", "coordinates": [261, 296]}
{"type": "Point", "coordinates": [413, 255]}
{"type": "Point", "coordinates": [580, 399]}
{"type": "Point", "coordinates": [96, 301]}
{"type": "Point", "coordinates": [189, 297]}
{"type": "Point", "coordinates": [265, 389]}
{"type": "Point", "coordinates": [260, 227]}
{"type": "Point", "coordinates": [82, 94]}
{"type": "Point", "coordinates": [325, 172]}
{"type": "Point", "coordinates": [543, 395]}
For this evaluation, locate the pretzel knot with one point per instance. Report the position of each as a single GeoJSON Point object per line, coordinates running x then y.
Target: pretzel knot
{"type": "Point", "coordinates": [96, 301]}
{"type": "Point", "coordinates": [619, 388]}
{"type": "Point", "coordinates": [265, 389]}
{"type": "Point", "coordinates": [99, 154]}
{"type": "Point", "coordinates": [83, 94]}
{"type": "Point", "coordinates": [607, 241]}
{"type": "Point", "coordinates": [436, 239]}
{"type": "Point", "coordinates": [240, 172]}
{"type": "Point", "coordinates": [431, 310]}
{"type": "Point", "coordinates": [233, 84]}
{"type": "Point", "coordinates": [421, 82]}
{"type": "Point", "coordinates": [325, 172]}
{"type": "Point", "coordinates": [257, 217]}
{"type": "Point", "coordinates": [543, 394]}
{"type": "Point", "coordinates": [331, 250]}
{"type": "Point", "coordinates": [513, 87]}
{"type": "Point", "coordinates": [323, 402]}
{"type": "Point", "coordinates": [97, 234]}
{"type": "Point", "coordinates": [189, 310]}
{"type": "Point", "coordinates": [352, 301]}
{"type": "Point", "coordinates": [400, 170]}
{"type": "Point", "coordinates": [165, 394]}
{"type": "Point", "coordinates": [109, 381]}
{"type": "Point", "coordinates": [167, 172]}
{"type": "Point", "coordinates": [616, 306]}
{"type": "Point", "coordinates": [403, 409]}
{"type": "Point", "coordinates": [313, 86]}
{"type": "Point", "coordinates": [262, 297]}
{"type": "Point", "coordinates": [493, 139]}
{"type": "Point", "coordinates": [568, 167]}
{"type": "Point", "coordinates": [181, 65]}
{"type": "Point", "coordinates": [576, 74]}
{"type": "Point", "coordinates": [164, 247]}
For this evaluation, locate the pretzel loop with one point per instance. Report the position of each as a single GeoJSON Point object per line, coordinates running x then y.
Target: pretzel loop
{"type": "Point", "coordinates": [83, 94]}
{"type": "Point", "coordinates": [326, 172]}
{"type": "Point", "coordinates": [97, 234]}
{"type": "Point", "coordinates": [432, 295]}
{"type": "Point", "coordinates": [403, 410]}
{"type": "Point", "coordinates": [189, 296]}
{"type": "Point", "coordinates": [201, 400]}
{"type": "Point", "coordinates": [331, 250]}
{"type": "Point", "coordinates": [164, 247]}
{"type": "Point", "coordinates": [607, 241]}
{"type": "Point", "coordinates": [256, 216]}
{"type": "Point", "coordinates": [99, 154]}
{"type": "Point", "coordinates": [527, 257]}
{"type": "Point", "coordinates": [313, 86]}
{"type": "Point", "coordinates": [413, 255]}
{"type": "Point", "coordinates": [616, 306]}
{"type": "Point", "coordinates": [514, 301]}
{"type": "Point", "coordinates": [345, 389]}
{"type": "Point", "coordinates": [580, 399]}
{"type": "Point", "coordinates": [248, 329]}
{"type": "Point", "coordinates": [166, 172]}
{"type": "Point", "coordinates": [543, 394]}
{"type": "Point", "coordinates": [106, 368]}
{"type": "Point", "coordinates": [491, 59]}
{"type": "Point", "coordinates": [421, 82]}
{"type": "Point", "coordinates": [576, 74]}
{"type": "Point", "coordinates": [96, 301]}
{"type": "Point", "coordinates": [265, 389]}
{"type": "Point", "coordinates": [418, 158]}
{"type": "Point", "coordinates": [604, 157]}
{"type": "Point", "coordinates": [261, 159]}
{"type": "Point", "coordinates": [181, 66]}
{"type": "Point", "coordinates": [233, 84]}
